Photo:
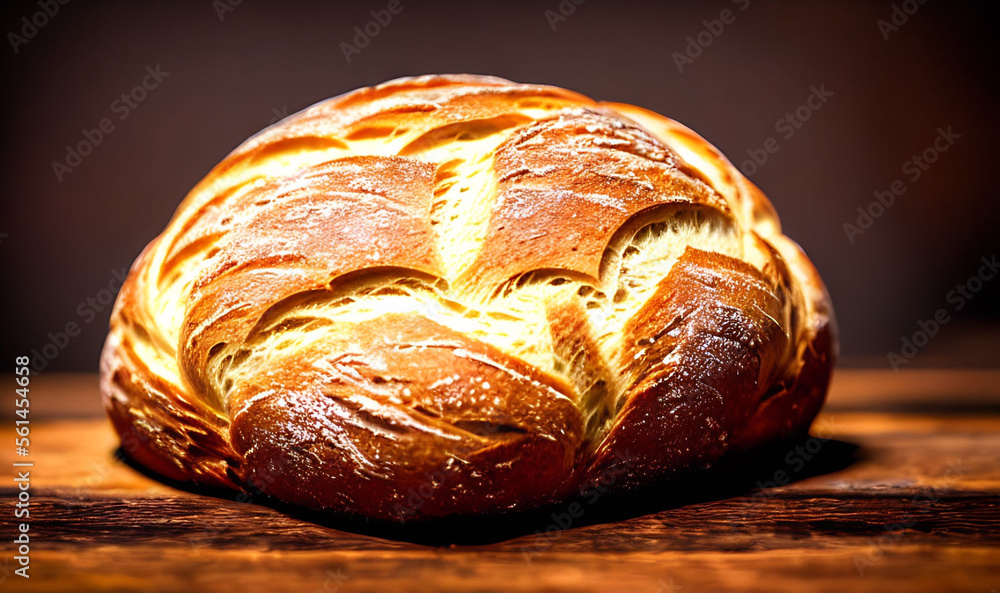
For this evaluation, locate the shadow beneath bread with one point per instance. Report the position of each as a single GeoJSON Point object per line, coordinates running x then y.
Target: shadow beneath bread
{"type": "Point", "coordinates": [744, 475]}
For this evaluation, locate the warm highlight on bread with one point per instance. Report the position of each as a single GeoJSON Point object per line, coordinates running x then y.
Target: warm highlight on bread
{"type": "Point", "coordinates": [457, 295]}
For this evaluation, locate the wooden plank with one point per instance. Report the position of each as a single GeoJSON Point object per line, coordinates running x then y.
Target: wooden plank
{"type": "Point", "coordinates": [915, 568]}
{"type": "Point", "coordinates": [740, 523]}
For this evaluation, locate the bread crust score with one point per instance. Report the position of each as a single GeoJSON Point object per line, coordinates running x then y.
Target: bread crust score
{"type": "Point", "coordinates": [460, 295]}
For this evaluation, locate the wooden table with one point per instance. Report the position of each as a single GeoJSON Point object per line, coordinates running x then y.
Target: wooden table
{"type": "Point", "coordinates": [897, 491]}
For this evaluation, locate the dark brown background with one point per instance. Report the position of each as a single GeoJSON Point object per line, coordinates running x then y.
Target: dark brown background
{"type": "Point", "coordinates": [229, 78]}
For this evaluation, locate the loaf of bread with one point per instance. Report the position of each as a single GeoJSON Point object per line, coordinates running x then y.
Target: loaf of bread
{"type": "Point", "coordinates": [453, 295]}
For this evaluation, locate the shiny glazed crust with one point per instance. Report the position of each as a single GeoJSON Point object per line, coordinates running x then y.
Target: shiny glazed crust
{"type": "Point", "coordinates": [459, 295]}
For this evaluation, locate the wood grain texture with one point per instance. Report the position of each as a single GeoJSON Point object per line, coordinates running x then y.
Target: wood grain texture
{"type": "Point", "coordinates": [889, 493]}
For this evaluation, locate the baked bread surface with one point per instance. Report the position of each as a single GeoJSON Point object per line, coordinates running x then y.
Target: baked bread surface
{"type": "Point", "coordinates": [459, 295]}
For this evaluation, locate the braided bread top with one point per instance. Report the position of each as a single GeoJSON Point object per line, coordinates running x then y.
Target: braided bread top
{"type": "Point", "coordinates": [482, 292]}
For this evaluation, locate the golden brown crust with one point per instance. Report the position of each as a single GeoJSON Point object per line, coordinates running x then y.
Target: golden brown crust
{"type": "Point", "coordinates": [459, 295]}
{"type": "Point", "coordinates": [368, 415]}
{"type": "Point", "coordinates": [698, 357]}
{"type": "Point", "coordinates": [600, 169]}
